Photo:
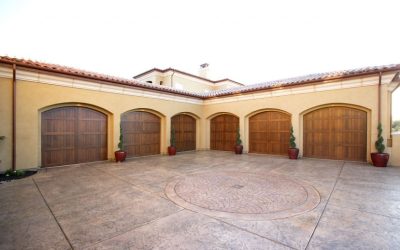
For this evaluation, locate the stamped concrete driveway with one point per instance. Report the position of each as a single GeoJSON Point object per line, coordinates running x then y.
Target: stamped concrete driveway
{"type": "Point", "coordinates": [204, 200]}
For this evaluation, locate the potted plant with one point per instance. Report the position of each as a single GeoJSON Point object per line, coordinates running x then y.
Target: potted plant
{"type": "Point", "coordinates": [293, 152]}
{"type": "Point", "coordinates": [172, 148]}
{"type": "Point", "coordinates": [238, 146]}
{"type": "Point", "coordinates": [120, 155]}
{"type": "Point", "coordinates": [379, 159]}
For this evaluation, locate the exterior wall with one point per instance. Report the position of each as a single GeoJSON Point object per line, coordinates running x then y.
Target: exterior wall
{"type": "Point", "coordinates": [37, 92]}
{"type": "Point", "coordinates": [360, 93]}
{"type": "Point", "coordinates": [34, 98]}
{"type": "Point", "coordinates": [154, 79]}
{"type": "Point", "coordinates": [189, 85]}
{"type": "Point", "coordinates": [394, 159]}
{"type": "Point", "coordinates": [5, 122]}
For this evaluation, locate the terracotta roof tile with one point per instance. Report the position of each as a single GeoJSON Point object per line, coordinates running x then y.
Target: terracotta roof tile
{"type": "Point", "coordinates": [300, 80]}
{"type": "Point", "coordinates": [288, 82]}
{"type": "Point", "coordinates": [55, 68]}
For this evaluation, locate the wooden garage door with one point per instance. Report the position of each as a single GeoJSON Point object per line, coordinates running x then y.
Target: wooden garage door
{"type": "Point", "coordinates": [338, 133]}
{"type": "Point", "coordinates": [269, 133]}
{"type": "Point", "coordinates": [141, 133]}
{"type": "Point", "coordinates": [223, 132]}
{"type": "Point", "coordinates": [73, 135]}
{"type": "Point", "coordinates": [185, 132]}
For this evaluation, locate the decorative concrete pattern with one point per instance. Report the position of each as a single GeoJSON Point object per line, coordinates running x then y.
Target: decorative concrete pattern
{"type": "Point", "coordinates": [242, 195]}
{"type": "Point", "coordinates": [123, 205]}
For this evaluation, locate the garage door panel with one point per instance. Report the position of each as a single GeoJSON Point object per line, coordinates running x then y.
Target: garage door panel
{"type": "Point", "coordinates": [223, 132]}
{"type": "Point", "coordinates": [141, 133]}
{"type": "Point", "coordinates": [67, 132]}
{"type": "Point", "coordinates": [285, 125]}
{"type": "Point", "coordinates": [269, 133]}
{"type": "Point", "coordinates": [58, 157]}
{"type": "Point", "coordinates": [335, 133]}
{"type": "Point", "coordinates": [133, 149]}
{"type": "Point", "coordinates": [185, 132]}
{"type": "Point", "coordinates": [89, 154]}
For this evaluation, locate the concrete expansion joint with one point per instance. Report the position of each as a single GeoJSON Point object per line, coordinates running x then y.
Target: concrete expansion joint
{"type": "Point", "coordinates": [327, 202]}
{"type": "Point", "coordinates": [52, 213]}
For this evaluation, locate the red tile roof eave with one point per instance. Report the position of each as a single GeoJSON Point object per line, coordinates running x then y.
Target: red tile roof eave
{"type": "Point", "coordinates": [106, 79]}
{"type": "Point", "coordinates": [300, 84]}
{"type": "Point", "coordinates": [148, 71]}
{"type": "Point", "coordinates": [227, 79]}
{"type": "Point", "coordinates": [103, 79]}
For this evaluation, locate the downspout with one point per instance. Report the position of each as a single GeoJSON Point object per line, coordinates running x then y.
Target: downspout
{"type": "Point", "coordinates": [14, 117]}
{"type": "Point", "coordinates": [379, 97]}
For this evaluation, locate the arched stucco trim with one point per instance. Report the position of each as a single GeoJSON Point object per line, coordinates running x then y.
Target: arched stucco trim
{"type": "Point", "coordinates": [75, 104]}
{"type": "Point", "coordinates": [187, 113]}
{"type": "Point", "coordinates": [253, 113]}
{"type": "Point", "coordinates": [354, 106]}
{"type": "Point", "coordinates": [152, 111]}
{"type": "Point", "coordinates": [221, 113]}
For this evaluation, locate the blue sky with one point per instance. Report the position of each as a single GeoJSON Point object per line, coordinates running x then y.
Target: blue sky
{"type": "Point", "coordinates": [248, 41]}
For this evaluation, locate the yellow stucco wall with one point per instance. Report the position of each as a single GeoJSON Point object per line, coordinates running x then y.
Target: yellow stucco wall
{"type": "Point", "coordinates": [364, 98]}
{"type": "Point", "coordinates": [5, 123]}
{"type": "Point", "coordinates": [188, 85]}
{"type": "Point", "coordinates": [179, 81]}
{"type": "Point", "coordinates": [394, 159]}
{"type": "Point", "coordinates": [35, 97]}
{"type": "Point", "coordinates": [185, 82]}
{"type": "Point", "coordinates": [297, 105]}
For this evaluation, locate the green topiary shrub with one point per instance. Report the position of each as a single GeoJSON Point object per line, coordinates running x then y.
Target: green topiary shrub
{"type": "Point", "coordinates": [238, 140]}
{"type": "Point", "coordinates": [172, 140]}
{"type": "Point", "coordinates": [121, 139]}
{"type": "Point", "coordinates": [379, 143]}
{"type": "Point", "coordinates": [292, 139]}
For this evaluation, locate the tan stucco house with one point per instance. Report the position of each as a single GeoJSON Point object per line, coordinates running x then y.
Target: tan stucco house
{"type": "Point", "coordinates": [55, 115]}
{"type": "Point", "coordinates": [181, 80]}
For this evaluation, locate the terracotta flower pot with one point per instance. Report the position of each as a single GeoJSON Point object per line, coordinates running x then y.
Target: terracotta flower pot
{"type": "Point", "coordinates": [120, 156]}
{"type": "Point", "coordinates": [238, 149]}
{"type": "Point", "coordinates": [171, 150]}
{"type": "Point", "coordinates": [293, 153]}
{"type": "Point", "coordinates": [380, 159]}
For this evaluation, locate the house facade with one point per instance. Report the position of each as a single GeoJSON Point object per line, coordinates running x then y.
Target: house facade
{"type": "Point", "coordinates": [181, 80]}
{"type": "Point", "coordinates": [53, 115]}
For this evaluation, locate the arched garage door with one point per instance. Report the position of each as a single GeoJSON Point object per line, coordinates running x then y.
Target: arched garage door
{"type": "Point", "coordinates": [269, 133]}
{"type": "Point", "coordinates": [185, 132]}
{"type": "Point", "coordinates": [73, 135]}
{"type": "Point", "coordinates": [141, 133]}
{"type": "Point", "coordinates": [338, 133]}
{"type": "Point", "coordinates": [223, 132]}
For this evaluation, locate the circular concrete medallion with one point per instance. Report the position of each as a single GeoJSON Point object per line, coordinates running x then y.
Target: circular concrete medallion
{"type": "Point", "coordinates": [240, 195]}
